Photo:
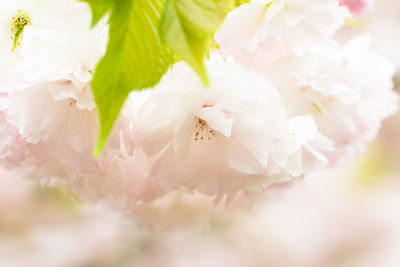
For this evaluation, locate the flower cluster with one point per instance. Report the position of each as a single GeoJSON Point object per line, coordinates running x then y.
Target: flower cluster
{"type": "Point", "coordinates": [285, 98]}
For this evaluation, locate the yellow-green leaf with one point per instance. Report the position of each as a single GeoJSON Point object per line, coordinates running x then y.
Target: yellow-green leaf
{"type": "Point", "coordinates": [135, 59]}
{"type": "Point", "coordinates": [187, 27]}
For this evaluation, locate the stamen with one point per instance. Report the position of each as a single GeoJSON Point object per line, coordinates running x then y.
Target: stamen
{"type": "Point", "coordinates": [201, 131]}
{"type": "Point", "coordinates": [18, 26]}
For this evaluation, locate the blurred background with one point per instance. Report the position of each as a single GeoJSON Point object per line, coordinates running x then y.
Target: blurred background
{"type": "Point", "coordinates": [347, 217]}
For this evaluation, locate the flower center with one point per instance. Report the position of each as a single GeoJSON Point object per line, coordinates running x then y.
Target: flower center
{"type": "Point", "coordinates": [18, 25]}
{"type": "Point", "coordinates": [202, 131]}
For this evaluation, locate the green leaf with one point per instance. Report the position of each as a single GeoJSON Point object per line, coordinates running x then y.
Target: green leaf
{"type": "Point", "coordinates": [135, 59]}
{"type": "Point", "coordinates": [187, 27]}
{"type": "Point", "coordinates": [99, 9]}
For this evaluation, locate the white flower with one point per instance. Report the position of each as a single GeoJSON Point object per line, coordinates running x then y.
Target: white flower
{"type": "Point", "coordinates": [348, 91]}
{"type": "Point", "coordinates": [50, 100]}
{"type": "Point", "coordinates": [57, 121]}
{"type": "Point", "coordinates": [303, 149]}
{"type": "Point", "coordinates": [265, 30]}
{"type": "Point", "coordinates": [17, 18]}
{"type": "Point", "coordinates": [49, 112]}
{"type": "Point", "coordinates": [49, 135]}
{"type": "Point", "coordinates": [49, 120]}
{"type": "Point", "coordinates": [307, 146]}
{"type": "Point", "coordinates": [210, 139]}
{"type": "Point", "coordinates": [50, 117]}
{"type": "Point", "coordinates": [44, 30]}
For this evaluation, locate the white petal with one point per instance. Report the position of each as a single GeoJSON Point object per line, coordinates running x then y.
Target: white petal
{"type": "Point", "coordinates": [183, 132]}
{"type": "Point", "coordinates": [217, 120]}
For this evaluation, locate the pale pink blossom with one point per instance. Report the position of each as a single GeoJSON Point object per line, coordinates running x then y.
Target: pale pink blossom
{"type": "Point", "coordinates": [206, 138]}
{"type": "Point", "coordinates": [348, 90]}
{"type": "Point", "coordinates": [49, 120]}
{"type": "Point", "coordinates": [304, 152]}
{"type": "Point", "coordinates": [222, 139]}
{"type": "Point", "coordinates": [265, 30]}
